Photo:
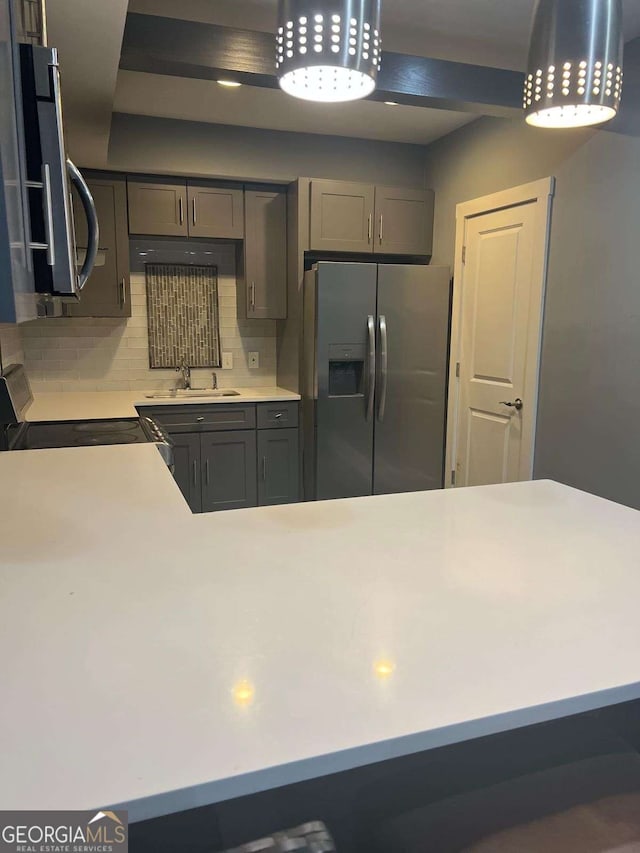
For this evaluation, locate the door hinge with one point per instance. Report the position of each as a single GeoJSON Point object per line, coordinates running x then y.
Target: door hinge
{"type": "Point", "coordinates": [457, 370]}
{"type": "Point", "coordinates": [453, 478]}
{"type": "Point", "coordinates": [464, 254]}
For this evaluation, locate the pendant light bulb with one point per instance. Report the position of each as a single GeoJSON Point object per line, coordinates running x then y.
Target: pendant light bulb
{"type": "Point", "coordinates": [574, 73]}
{"type": "Point", "coordinates": [328, 50]}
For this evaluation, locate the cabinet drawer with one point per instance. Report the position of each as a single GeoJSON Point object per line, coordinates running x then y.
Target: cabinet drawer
{"type": "Point", "coordinates": [203, 418]}
{"type": "Point", "coordinates": [282, 415]}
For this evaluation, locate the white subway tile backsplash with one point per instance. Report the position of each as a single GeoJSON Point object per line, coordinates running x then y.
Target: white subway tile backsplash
{"type": "Point", "coordinates": [41, 385]}
{"type": "Point", "coordinates": [88, 354]}
{"type": "Point", "coordinates": [11, 347]}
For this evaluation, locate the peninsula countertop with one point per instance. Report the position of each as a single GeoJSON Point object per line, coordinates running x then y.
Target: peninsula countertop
{"type": "Point", "coordinates": [87, 405]}
{"type": "Point", "coordinates": [160, 660]}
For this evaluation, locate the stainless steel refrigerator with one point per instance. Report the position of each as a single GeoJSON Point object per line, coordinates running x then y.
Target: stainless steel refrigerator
{"type": "Point", "coordinates": [375, 372]}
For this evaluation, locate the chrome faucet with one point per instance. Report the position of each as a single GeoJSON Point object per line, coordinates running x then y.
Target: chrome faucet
{"type": "Point", "coordinates": [185, 370]}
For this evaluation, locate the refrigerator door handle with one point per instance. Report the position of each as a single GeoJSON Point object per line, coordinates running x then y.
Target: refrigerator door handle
{"type": "Point", "coordinates": [384, 350]}
{"type": "Point", "coordinates": [371, 355]}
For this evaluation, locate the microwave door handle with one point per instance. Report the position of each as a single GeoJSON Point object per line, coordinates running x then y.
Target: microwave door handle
{"type": "Point", "coordinates": [371, 356]}
{"type": "Point", "coordinates": [92, 222]}
{"type": "Point", "coordinates": [47, 207]}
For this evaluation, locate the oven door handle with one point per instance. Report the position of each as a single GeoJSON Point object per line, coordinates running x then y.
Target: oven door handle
{"type": "Point", "coordinates": [93, 227]}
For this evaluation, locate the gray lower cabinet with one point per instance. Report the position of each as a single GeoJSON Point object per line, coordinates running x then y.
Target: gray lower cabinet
{"type": "Point", "coordinates": [233, 456]}
{"type": "Point", "coordinates": [106, 293]}
{"type": "Point", "coordinates": [187, 473]}
{"type": "Point", "coordinates": [278, 466]}
{"type": "Point", "coordinates": [228, 464]}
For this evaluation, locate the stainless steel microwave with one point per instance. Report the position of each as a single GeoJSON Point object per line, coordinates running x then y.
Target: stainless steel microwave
{"type": "Point", "coordinates": [38, 267]}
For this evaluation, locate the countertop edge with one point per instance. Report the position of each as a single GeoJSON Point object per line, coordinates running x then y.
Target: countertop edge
{"type": "Point", "coordinates": [221, 790]}
{"type": "Point", "coordinates": [95, 405]}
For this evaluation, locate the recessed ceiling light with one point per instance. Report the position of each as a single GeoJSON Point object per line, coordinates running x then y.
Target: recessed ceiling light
{"type": "Point", "coordinates": [391, 103]}
{"type": "Point", "coordinates": [231, 84]}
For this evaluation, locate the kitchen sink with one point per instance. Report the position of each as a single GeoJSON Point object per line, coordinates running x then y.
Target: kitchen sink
{"type": "Point", "coordinates": [189, 393]}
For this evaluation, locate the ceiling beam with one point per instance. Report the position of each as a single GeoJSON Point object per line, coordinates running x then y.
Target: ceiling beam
{"type": "Point", "coordinates": [177, 48]}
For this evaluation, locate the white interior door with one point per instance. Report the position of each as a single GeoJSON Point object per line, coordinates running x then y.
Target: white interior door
{"type": "Point", "coordinates": [496, 344]}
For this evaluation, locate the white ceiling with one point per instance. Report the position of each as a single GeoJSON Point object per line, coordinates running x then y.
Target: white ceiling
{"type": "Point", "coordinates": [486, 32]}
{"type": "Point", "coordinates": [88, 34]}
{"type": "Point", "coordinates": [247, 106]}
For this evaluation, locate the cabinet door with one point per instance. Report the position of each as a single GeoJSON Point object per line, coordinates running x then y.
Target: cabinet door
{"type": "Point", "coordinates": [278, 469]}
{"type": "Point", "coordinates": [404, 221]}
{"type": "Point", "coordinates": [106, 293]}
{"type": "Point", "coordinates": [265, 256]}
{"type": "Point", "coordinates": [158, 208]}
{"type": "Point", "coordinates": [341, 216]}
{"type": "Point", "coordinates": [228, 470]}
{"type": "Point", "coordinates": [215, 212]}
{"type": "Point", "coordinates": [186, 454]}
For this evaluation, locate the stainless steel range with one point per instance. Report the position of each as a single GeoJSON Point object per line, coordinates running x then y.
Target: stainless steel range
{"type": "Point", "coordinates": [18, 434]}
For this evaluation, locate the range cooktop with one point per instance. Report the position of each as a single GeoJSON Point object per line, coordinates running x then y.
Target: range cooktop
{"type": "Point", "coordinates": [45, 434]}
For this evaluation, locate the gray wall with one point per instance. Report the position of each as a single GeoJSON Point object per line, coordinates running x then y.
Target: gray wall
{"type": "Point", "coordinates": [590, 392]}
{"type": "Point", "coordinates": [485, 157]}
{"type": "Point", "coordinates": [166, 146]}
{"type": "Point", "coordinates": [590, 384]}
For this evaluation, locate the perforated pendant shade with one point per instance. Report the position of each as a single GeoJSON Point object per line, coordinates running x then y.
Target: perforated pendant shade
{"type": "Point", "coordinates": [328, 50]}
{"type": "Point", "coordinates": [574, 74]}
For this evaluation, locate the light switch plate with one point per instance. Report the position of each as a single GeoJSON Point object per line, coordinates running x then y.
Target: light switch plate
{"type": "Point", "coordinates": [254, 359]}
{"type": "Point", "coordinates": [227, 361]}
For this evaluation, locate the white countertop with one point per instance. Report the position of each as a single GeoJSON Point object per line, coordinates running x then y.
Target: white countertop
{"type": "Point", "coordinates": [86, 405]}
{"type": "Point", "coordinates": [130, 628]}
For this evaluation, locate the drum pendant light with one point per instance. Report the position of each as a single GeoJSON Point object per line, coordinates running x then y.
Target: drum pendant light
{"type": "Point", "coordinates": [328, 50]}
{"type": "Point", "coordinates": [574, 74]}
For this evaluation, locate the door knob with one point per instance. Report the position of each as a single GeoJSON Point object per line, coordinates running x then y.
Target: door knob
{"type": "Point", "coordinates": [517, 404]}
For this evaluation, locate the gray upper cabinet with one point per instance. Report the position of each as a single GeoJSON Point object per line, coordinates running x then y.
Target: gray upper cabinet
{"type": "Point", "coordinates": [187, 468]}
{"type": "Point", "coordinates": [216, 212]}
{"type": "Point", "coordinates": [228, 470]}
{"type": "Point", "coordinates": [362, 218]}
{"type": "Point", "coordinates": [341, 216]}
{"type": "Point", "coordinates": [404, 221]}
{"type": "Point", "coordinates": [278, 467]}
{"type": "Point", "coordinates": [263, 288]}
{"type": "Point", "coordinates": [178, 209]}
{"type": "Point", "coordinates": [106, 293]}
{"type": "Point", "coordinates": [159, 209]}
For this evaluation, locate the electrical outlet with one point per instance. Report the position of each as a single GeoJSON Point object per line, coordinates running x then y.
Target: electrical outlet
{"type": "Point", "coordinates": [254, 359]}
{"type": "Point", "coordinates": [227, 361]}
